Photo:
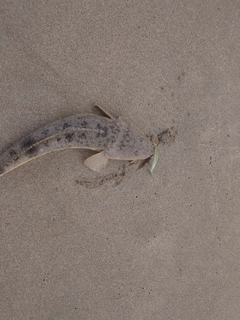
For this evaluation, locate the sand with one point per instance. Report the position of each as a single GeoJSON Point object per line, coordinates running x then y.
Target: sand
{"type": "Point", "coordinates": [123, 244]}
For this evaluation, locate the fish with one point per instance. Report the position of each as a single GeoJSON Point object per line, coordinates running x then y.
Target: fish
{"type": "Point", "coordinates": [112, 138]}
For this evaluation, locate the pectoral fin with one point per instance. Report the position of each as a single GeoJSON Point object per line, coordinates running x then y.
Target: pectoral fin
{"type": "Point", "coordinates": [97, 162]}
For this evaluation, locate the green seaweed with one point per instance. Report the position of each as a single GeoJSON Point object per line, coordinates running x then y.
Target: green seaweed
{"type": "Point", "coordinates": [155, 160]}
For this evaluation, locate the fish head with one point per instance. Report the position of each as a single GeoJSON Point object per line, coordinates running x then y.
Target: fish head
{"type": "Point", "coordinates": [130, 143]}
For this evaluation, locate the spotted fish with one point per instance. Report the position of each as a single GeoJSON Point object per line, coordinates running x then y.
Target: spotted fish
{"type": "Point", "coordinates": [115, 138]}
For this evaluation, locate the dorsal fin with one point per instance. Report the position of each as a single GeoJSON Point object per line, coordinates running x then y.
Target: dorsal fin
{"type": "Point", "coordinates": [105, 112]}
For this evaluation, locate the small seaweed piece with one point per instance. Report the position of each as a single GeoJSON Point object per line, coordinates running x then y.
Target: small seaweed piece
{"type": "Point", "coordinates": [155, 160]}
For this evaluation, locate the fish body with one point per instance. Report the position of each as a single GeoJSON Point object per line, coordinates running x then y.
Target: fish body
{"type": "Point", "coordinates": [114, 137]}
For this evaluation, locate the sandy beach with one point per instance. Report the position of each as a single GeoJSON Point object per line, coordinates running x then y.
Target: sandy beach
{"type": "Point", "coordinates": [123, 244]}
